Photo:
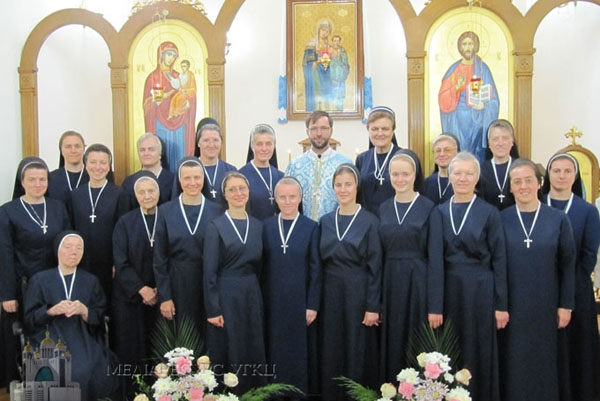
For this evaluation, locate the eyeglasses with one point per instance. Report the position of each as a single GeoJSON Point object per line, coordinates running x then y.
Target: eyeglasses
{"type": "Point", "coordinates": [322, 128]}
{"type": "Point", "coordinates": [239, 188]}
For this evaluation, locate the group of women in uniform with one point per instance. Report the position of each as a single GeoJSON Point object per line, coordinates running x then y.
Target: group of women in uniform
{"type": "Point", "coordinates": [278, 296]}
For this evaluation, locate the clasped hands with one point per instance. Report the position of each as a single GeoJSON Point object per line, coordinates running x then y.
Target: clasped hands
{"type": "Point", "coordinates": [69, 308]}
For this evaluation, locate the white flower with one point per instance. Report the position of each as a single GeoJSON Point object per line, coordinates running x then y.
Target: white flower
{"type": "Point", "coordinates": [459, 393]}
{"type": "Point", "coordinates": [408, 375]}
{"type": "Point", "coordinates": [177, 352]}
{"type": "Point", "coordinates": [384, 399]}
{"type": "Point", "coordinates": [141, 397]}
{"type": "Point", "coordinates": [203, 362]}
{"type": "Point", "coordinates": [448, 377]}
{"type": "Point", "coordinates": [207, 377]}
{"type": "Point", "coordinates": [162, 386]}
{"type": "Point", "coordinates": [228, 397]}
{"type": "Point", "coordinates": [230, 380]}
{"type": "Point", "coordinates": [388, 390]}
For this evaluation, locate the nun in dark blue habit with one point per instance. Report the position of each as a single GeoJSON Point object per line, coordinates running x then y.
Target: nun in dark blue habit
{"type": "Point", "coordinates": [500, 153]}
{"type": "Point", "coordinates": [467, 275]}
{"type": "Point", "coordinates": [28, 225]}
{"type": "Point", "coordinates": [373, 164]}
{"type": "Point", "coordinates": [540, 268]}
{"type": "Point", "coordinates": [233, 250]}
{"type": "Point", "coordinates": [70, 173]}
{"type": "Point", "coordinates": [351, 254]}
{"type": "Point", "coordinates": [67, 305]}
{"type": "Point", "coordinates": [134, 302]}
{"type": "Point", "coordinates": [178, 246]}
{"type": "Point", "coordinates": [261, 172]}
{"type": "Point", "coordinates": [437, 186]}
{"type": "Point", "coordinates": [209, 139]}
{"type": "Point", "coordinates": [95, 209]}
{"type": "Point", "coordinates": [563, 191]}
{"type": "Point", "coordinates": [291, 287]}
{"type": "Point", "coordinates": [151, 154]}
{"type": "Point", "coordinates": [404, 228]}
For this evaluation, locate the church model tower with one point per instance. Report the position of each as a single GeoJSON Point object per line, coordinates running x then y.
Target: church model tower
{"type": "Point", "coordinates": [47, 374]}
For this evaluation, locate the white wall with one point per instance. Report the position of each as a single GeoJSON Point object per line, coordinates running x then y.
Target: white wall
{"type": "Point", "coordinates": [566, 84]}
{"type": "Point", "coordinates": [253, 67]}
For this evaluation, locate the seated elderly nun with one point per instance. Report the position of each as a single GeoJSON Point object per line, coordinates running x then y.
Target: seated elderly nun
{"type": "Point", "coordinates": [67, 305]}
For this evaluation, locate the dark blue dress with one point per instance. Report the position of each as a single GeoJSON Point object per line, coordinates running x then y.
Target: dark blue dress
{"type": "Point", "coordinates": [540, 280]}
{"type": "Point", "coordinates": [372, 193]}
{"type": "Point", "coordinates": [90, 358]}
{"type": "Point", "coordinates": [432, 191]}
{"type": "Point", "coordinates": [260, 206]}
{"type": "Point", "coordinates": [207, 189]}
{"type": "Point", "coordinates": [582, 331]}
{"type": "Point", "coordinates": [132, 319]}
{"type": "Point", "coordinates": [406, 254]}
{"type": "Point", "coordinates": [178, 258]}
{"type": "Point", "coordinates": [467, 283]}
{"type": "Point", "coordinates": [231, 289]}
{"type": "Point", "coordinates": [291, 285]}
{"type": "Point", "coordinates": [165, 184]}
{"type": "Point", "coordinates": [351, 287]}
{"type": "Point", "coordinates": [58, 186]}
{"type": "Point", "coordinates": [97, 236]}
{"type": "Point", "coordinates": [489, 186]}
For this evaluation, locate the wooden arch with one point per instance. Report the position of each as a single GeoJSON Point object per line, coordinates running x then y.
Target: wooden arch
{"type": "Point", "coordinates": [522, 28]}
{"type": "Point", "coordinates": [118, 44]}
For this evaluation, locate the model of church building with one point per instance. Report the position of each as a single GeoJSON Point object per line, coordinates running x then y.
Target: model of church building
{"type": "Point", "coordinates": [47, 374]}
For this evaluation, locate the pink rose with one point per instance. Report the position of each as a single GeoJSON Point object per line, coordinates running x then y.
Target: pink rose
{"type": "Point", "coordinates": [453, 399]}
{"type": "Point", "coordinates": [165, 397]}
{"type": "Point", "coordinates": [432, 371]}
{"type": "Point", "coordinates": [183, 365]}
{"type": "Point", "coordinates": [406, 389]}
{"type": "Point", "coordinates": [196, 394]}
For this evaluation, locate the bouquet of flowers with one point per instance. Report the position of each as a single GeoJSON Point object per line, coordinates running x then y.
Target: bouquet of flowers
{"type": "Point", "coordinates": [435, 383]}
{"type": "Point", "coordinates": [180, 379]}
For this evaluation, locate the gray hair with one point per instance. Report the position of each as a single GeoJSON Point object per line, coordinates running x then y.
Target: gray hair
{"type": "Point", "coordinates": [466, 157]}
{"type": "Point", "coordinates": [502, 124]}
{"type": "Point", "coordinates": [289, 180]}
{"type": "Point", "coordinates": [262, 129]}
{"type": "Point", "coordinates": [149, 135]}
{"type": "Point", "coordinates": [210, 127]}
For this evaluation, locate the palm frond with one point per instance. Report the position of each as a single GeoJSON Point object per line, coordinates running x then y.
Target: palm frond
{"type": "Point", "coordinates": [425, 339]}
{"type": "Point", "coordinates": [270, 390]}
{"type": "Point", "coordinates": [168, 335]}
{"type": "Point", "coordinates": [357, 391]}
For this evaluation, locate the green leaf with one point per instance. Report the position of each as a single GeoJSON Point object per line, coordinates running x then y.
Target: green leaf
{"type": "Point", "coordinates": [170, 334]}
{"type": "Point", "coordinates": [443, 340]}
{"type": "Point", "coordinates": [268, 391]}
{"type": "Point", "coordinates": [357, 391]}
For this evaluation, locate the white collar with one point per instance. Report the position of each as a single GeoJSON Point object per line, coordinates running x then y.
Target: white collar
{"type": "Point", "coordinates": [325, 155]}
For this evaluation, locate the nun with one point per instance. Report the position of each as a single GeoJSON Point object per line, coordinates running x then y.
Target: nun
{"type": "Point", "coordinates": [501, 151]}
{"type": "Point", "coordinates": [95, 209]}
{"type": "Point", "coordinates": [262, 172]}
{"type": "Point", "coordinates": [291, 284]}
{"type": "Point", "coordinates": [28, 225]}
{"type": "Point", "coordinates": [540, 253]}
{"type": "Point", "coordinates": [66, 306]}
{"type": "Point", "coordinates": [209, 139]}
{"type": "Point", "coordinates": [437, 186]}
{"type": "Point", "coordinates": [404, 224]}
{"type": "Point", "coordinates": [351, 254]}
{"type": "Point", "coordinates": [466, 281]}
{"type": "Point", "coordinates": [134, 302]}
{"type": "Point", "coordinates": [233, 250]}
{"type": "Point", "coordinates": [178, 246]}
{"type": "Point", "coordinates": [373, 164]}
{"type": "Point", "coordinates": [563, 191]}
{"type": "Point", "coordinates": [71, 172]}
{"type": "Point", "coordinates": [151, 156]}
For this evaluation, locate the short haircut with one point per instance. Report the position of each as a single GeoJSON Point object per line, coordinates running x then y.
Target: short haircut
{"type": "Point", "coordinates": [262, 129]}
{"type": "Point", "coordinates": [466, 157]}
{"type": "Point", "coordinates": [503, 124]}
{"type": "Point", "coordinates": [315, 115]}
{"type": "Point", "coordinates": [524, 162]}
{"type": "Point", "coordinates": [149, 135]}
{"type": "Point", "coordinates": [209, 127]}
{"type": "Point", "coordinates": [70, 133]}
